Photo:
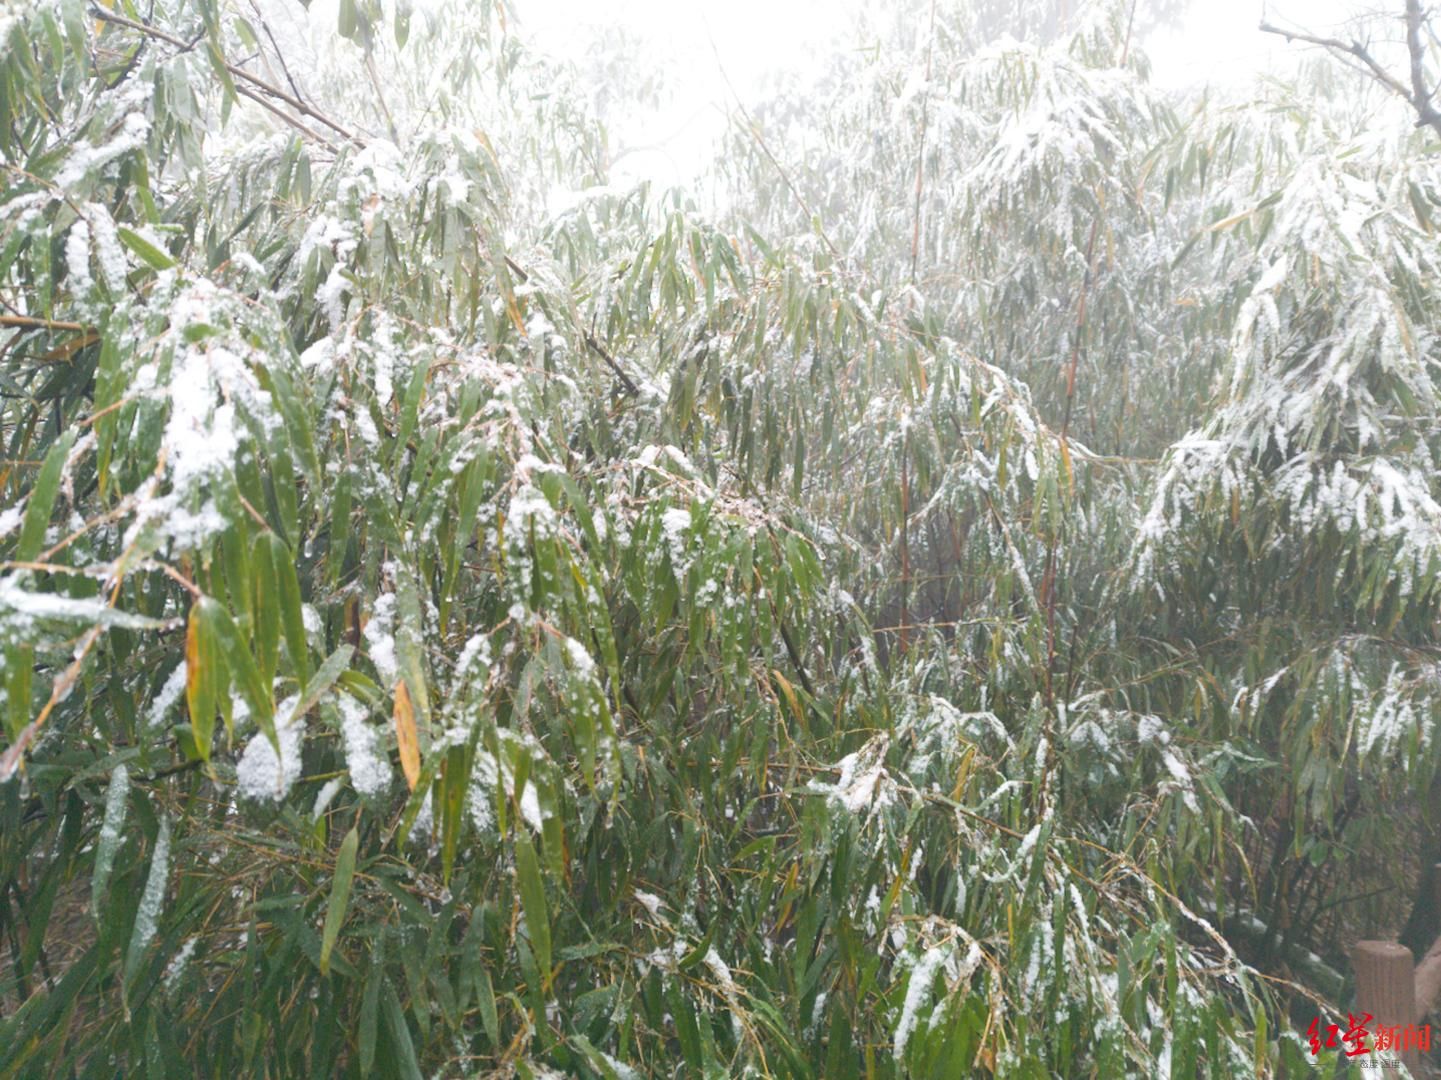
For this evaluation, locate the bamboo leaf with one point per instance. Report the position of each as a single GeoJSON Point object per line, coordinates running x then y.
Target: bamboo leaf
{"type": "Point", "coordinates": [204, 671]}
{"type": "Point", "coordinates": [327, 676]}
{"type": "Point", "coordinates": [151, 255]}
{"type": "Point", "coordinates": [111, 836]}
{"type": "Point", "coordinates": [240, 664]}
{"type": "Point", "coordinates": [147, 916]}
{"type": "Point", "coordinates": [405, 736]}
{"type": "Point", "coordinates": [42, 499]}
{"type": "Point", "coordinates": [532, 898]}
{"type": "Point", "coordinates": [339, 897]}
{"type": "Point", "coordinates": [349, 19]}
{"type": "Point", "coordinates": [297, 647]}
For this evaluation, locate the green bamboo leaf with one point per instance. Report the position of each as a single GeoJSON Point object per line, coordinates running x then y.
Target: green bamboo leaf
{"type": "Point", "coordinates": [594, 1058]}
{"type": "Point", "coordinates": [204, 672]}
{"type": "Point", "coordinates": [288, 594]}
{"type": "Point", "coordinates": [266, 606]}
{"type": "Point", "coordinates": [151, 255]}
{"type": "Point", "coordinates": [282, 483]}
{"type": "Point", "coordinates": [218, 66]}
{"type": "Point", "coordinates": [402, 24]}
{"type": "Point", "coordinates": [278, 382]}
{"type": "Point", "coordinates": [409, 650]}
{"type": "Point", "coordinates": [147, 916]}
{"type": "Point", "coordinates": [370, 1005]}
{"type": "Point", "coordinates": [19, 675]}
{"type": "Point", "coordinates": [339, 531]}
{"type": "Point", "coordinates": [1262, 1046]}
{"type": "Point", "coordinates": [241, 666]}
{"type": "Point", "coordinates": [401, 1045]}
{"type": "Point", "coordinates": [247, 33]}
{"type": "Point", "coordinates": [532, 898]}
{"type": "Point", "coordinates": [687, 1028]}
{"type": "Point", "coordinates": [116, 796]}
{"type": "Point", "coordinates": [485, 997]}
{"type": "Point", "coordinates": [454, 789]}
{"type": "Point", "coordinates": [339, 897]}
{"type": "Point", "coordinates": [349, 19]}
{"type": "Point", "coordinates": [236, 554]}
{"type": "Point", "coordinates": [329, 673]}
{"type": "Point", "coordinates": [42, 499]}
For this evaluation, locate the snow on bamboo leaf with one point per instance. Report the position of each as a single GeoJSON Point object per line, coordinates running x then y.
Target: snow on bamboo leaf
{"type": "Point", "coordinates": [863, 785]}
{"type": "Point", "coordinates": [270, 764]}
{"type": "Point", "coordinates": [147, 916]}
{"type": "Point", "coordinates": [24, 612]}
{"type": "Point", "coordinates": [174, 687]}
{"type": "Point", "coordinates": [116, 794]}
{"type": "Point", "coordinates": [918, 992]}
{"type": "Point", "coordinates": [370, 771]}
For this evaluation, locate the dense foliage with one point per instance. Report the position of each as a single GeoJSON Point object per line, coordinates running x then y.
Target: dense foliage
{"type": "Point", "coordinates": [966, 605]}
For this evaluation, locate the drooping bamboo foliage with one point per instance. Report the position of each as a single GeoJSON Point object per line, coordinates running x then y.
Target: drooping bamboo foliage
{"type": "Point", "coordinates": [452, 628]}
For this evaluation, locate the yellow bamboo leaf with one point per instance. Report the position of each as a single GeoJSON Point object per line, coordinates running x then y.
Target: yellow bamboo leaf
{"type": "Point", "coordinates": [405, 735]}
{"type": "Point", "coordinates": [1232, 220]}
{"type": "Point", "coordinates": [963, 773]}
{"type": "Point", "coordinates": [513, 310]}
{"type": "Point", "coordinates": [894, 893]}
{"type": "Point", "coordinates": [790, 695]}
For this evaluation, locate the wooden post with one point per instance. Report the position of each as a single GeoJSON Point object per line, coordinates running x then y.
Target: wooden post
{"type": "Point", "coordinates": [1386, 988]}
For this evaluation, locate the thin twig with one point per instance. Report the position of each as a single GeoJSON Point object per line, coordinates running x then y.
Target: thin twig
{"type": "Point", "coordinates": [921, 156]}
{"type": "Point", "coordinates": [1048, 585]}
{"type": "Point", "coordinates": [380, 97]}
{"type": "Point", "coordinates": [280, 56]}
{"type": "Point", "coordinates": [905, 541]}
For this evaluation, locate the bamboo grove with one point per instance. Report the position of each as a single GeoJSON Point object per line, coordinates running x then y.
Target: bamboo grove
{"type": "Point", "coordinates": [964, 604]}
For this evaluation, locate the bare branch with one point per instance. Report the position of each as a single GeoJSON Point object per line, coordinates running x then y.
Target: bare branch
{"type": "Point", "coordinates": [1353, 48]}
{"type": "Point", "coordinates": [259, 84]}
{"type": "Point", "coordinates": [601, 351]}
{"type": "Point", "coordinates": [1416, 94]}
{"type": "Point", "coordinates": [1420, 96]}
{"type": "Point", "coordinates": [295, 122]}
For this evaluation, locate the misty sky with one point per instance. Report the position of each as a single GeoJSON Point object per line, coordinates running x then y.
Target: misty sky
{"type": "Point", "coordinates": [710, 48]}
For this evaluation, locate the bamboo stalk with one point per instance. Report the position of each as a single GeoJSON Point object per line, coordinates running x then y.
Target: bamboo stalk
{"type": "Point", "coordinates": [28, 322]}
